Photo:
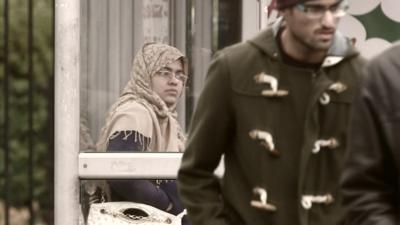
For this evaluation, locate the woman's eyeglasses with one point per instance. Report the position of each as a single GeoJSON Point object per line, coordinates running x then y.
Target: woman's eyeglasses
{"type": "Point", "coordinates": [168, 74]}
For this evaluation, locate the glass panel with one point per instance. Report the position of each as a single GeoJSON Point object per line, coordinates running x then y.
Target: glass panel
{"type": "Point", "coordinates": [229, 22]}
{"type": "Point", "coordinates": [112, 34]}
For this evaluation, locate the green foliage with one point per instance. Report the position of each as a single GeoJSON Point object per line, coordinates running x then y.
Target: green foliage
{"type": "Point", "coordinates": [19, 111]}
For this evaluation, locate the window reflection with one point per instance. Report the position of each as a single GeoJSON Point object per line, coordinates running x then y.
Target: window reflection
{"type": "Point", "coordinates": [112, 32]}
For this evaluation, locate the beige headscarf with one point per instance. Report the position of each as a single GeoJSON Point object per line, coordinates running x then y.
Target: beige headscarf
{"type": "Point", "coordinates": [138, 103]}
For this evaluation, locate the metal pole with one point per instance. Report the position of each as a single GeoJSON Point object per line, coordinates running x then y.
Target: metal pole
{"type": "Point", "coordinates": [31, 111]}
{"type": "Point", "coordinates": [6, 119]}
{"type": "Point", "coordinates": [67, 62]}
{"type": "Point", "coordinates": [190, 22]}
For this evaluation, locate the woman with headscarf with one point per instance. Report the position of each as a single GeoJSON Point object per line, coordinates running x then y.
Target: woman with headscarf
{"type": "Point", "coordinates": [144, 119]}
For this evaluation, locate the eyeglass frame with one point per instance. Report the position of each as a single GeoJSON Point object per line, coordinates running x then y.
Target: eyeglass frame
{"type": "Point", "coordinates": [340, 7]}
{"type": "Point", "coordinates": [169, 74]}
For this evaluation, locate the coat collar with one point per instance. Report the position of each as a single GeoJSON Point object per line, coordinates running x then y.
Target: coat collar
{"type": "Point", "coordinates": [340, 49]}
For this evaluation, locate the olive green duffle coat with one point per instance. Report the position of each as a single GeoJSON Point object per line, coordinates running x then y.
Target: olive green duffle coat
{"type": "Point", "coordinates": [282, 131]}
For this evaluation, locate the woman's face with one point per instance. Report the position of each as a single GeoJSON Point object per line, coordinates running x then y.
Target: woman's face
{"type": "Point", "coordinates": [168, 82]}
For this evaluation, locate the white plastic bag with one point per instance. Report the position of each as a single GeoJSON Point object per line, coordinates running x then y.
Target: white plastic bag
{"type": "Point", "coordinates": [128, 213]}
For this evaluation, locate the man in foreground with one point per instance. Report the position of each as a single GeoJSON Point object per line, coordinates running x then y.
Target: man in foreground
{"type": "Point", "coordinates": [277, 108]}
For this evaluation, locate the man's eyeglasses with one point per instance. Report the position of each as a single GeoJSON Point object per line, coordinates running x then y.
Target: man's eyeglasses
{"type": "Point", "coordinates": [168, 74]}
{"type": "Point", "coordinates": [315, 11]}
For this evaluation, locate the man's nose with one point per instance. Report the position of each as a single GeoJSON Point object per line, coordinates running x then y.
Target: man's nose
{"type": "Point", "coordinates": [328, 19]}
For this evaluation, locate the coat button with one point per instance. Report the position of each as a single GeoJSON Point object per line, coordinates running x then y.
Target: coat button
{"type": "Point", "coordinates": [329, 143]}
{"type": "Point", "coordinates": [262, 198]}
{"type": "Point", "coordinates": [324, 99]}
{"type": "Point", "coordinates": [308, 200]}
{"type": "Point", "coordinates": [277, 93]}
{"type": "Point", "coordinates": [265, 139]}
{"type": "Point", "coordinates": [263, 78]}
{"type": "Point", "coordinates": [338, 87]}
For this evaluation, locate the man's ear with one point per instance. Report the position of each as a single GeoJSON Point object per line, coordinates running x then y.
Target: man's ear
{"type": "Point", "coordinates": [284, 13]}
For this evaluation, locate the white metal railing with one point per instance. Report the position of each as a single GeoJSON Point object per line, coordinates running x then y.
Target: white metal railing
{"type": "Point", "coordinates": [128, 165]}
{"type": "Point", "coordinates": [143, 165]}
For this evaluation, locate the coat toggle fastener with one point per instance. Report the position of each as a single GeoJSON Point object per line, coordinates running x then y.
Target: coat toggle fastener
{"type": "Point", "coordinates": [262, 202]}
{"type": "Point", "coordinates": [263, 78]}
{"type": "Point", "coordinates": [266, 140]}
{"type": "Point", "coordinates": [308, 200]}
{"type": "Point", "coordinates": [329, 143]}
{"type": "Point", "coordinates": [337, 87]}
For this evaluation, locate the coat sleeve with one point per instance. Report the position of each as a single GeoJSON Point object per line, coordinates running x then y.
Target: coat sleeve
{"type": "Point", "coordinates": [209, 136]}
{"type": "Point", "coordinates": [370, 179]}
